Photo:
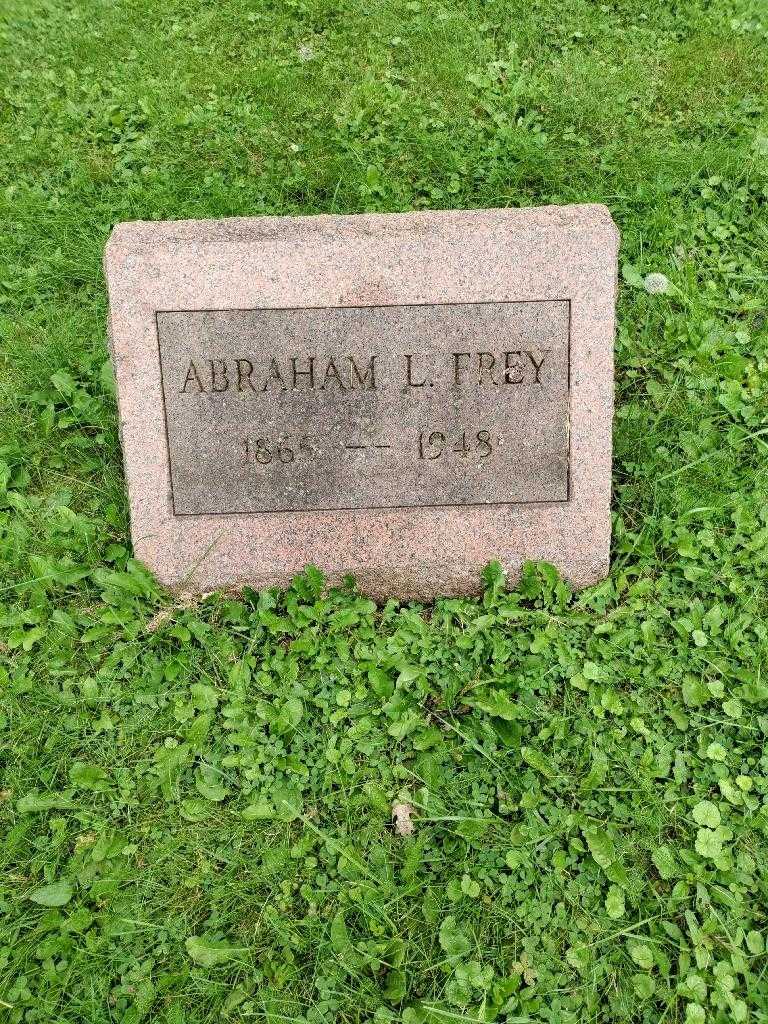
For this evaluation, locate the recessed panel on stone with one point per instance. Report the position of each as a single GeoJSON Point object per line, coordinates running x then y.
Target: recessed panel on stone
{"type": "Point", "coordinates": [397, 397]}
{"type": "Point", "coordinates": [395, 406]}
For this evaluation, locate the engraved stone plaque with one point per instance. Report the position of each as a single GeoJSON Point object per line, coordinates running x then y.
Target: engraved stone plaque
{"type": "Point", "coordinates": [366, 407]}
{"type": "Point", "coordinates": [398, 397]}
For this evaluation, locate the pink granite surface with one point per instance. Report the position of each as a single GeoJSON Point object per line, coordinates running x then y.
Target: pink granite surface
{"type": "Point", "coordinates": [548, 253]}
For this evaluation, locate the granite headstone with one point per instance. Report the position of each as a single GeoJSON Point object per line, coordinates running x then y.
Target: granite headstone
{"type": "Point", "coordinates": [400, 397]}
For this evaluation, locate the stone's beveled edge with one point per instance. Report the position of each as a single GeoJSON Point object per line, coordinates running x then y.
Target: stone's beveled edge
{"type": "Point", "coordinates": [417, 554]}
{"type": "Point", "coordinates": [140, 233]}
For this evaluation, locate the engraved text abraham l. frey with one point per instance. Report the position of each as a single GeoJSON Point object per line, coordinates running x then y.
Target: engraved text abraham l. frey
{"type": "Point", "coordinates": [366, 407]}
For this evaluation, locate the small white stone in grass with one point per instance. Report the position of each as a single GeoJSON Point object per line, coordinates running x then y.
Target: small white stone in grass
{"type": "Point", "coordinates": [656, 284]}
{"type": "Point", "coordinates": [402, 815]}
{"type": "Point", "coordinates": [306, 52]}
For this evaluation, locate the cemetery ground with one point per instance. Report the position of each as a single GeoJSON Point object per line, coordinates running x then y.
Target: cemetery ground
{"type": "Point", "coordinates": [197, 797]}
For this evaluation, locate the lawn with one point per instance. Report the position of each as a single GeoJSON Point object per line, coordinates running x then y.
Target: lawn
{"type": "Point", "coordinates": [197, 798]}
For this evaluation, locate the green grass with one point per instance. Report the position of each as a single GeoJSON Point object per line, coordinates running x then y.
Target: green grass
{"type": "Point", "coordinates": [197, 800]}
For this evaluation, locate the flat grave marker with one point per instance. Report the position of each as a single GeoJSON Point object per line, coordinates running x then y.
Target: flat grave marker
{"type": "Point", "coordinates": [401, 397]}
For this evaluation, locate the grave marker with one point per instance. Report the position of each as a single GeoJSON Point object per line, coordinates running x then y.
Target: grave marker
{"type": "Point", "coordinates": [402, 397]}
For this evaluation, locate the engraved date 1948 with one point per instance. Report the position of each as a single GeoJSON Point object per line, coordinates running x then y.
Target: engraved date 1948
{"type": "Point", "coordinates": [433, 445]}
{"type": "Point", "coordinates": [429, 445]}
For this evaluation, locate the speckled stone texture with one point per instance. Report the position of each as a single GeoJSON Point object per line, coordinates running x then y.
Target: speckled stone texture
{"type": "Point", "coordinates": [419, 519]}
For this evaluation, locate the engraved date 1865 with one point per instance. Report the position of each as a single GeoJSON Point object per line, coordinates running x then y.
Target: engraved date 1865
{"type": "Point", "coordinates": [265, 450]}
